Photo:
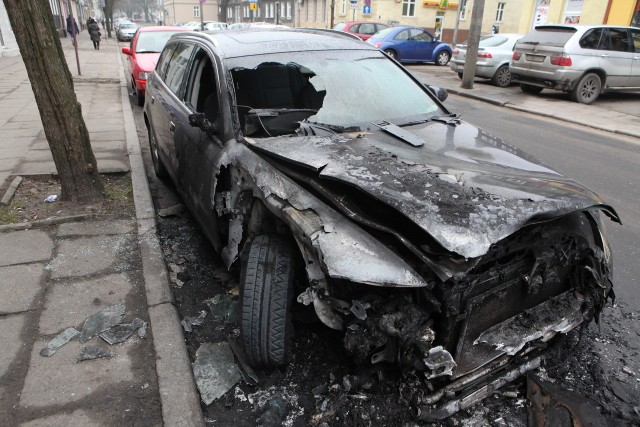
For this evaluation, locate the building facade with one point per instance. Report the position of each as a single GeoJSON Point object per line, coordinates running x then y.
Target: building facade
{"type": "Point", "coordinates": [187, 11]}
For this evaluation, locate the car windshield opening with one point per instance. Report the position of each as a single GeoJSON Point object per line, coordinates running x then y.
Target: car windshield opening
{"type": "Point", "coordinates": [153, 41]}
{"type": "Point", "coordinates": [339, 91]}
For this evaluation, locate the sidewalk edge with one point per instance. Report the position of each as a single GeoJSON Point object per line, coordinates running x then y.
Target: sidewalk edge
{"type": "Point", "coordinates": [178, 394]}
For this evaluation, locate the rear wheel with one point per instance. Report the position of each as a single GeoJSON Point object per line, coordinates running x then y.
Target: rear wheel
{"type": "Point", "coordinates": [588, 89]}
{"type": "Point", "coordinates": [158, 166]}
{"type": "Point", "coordinates": [443, 58]}
{"type": "Point", "coordinates": [392, 53]}
{"type": "Point", "coordinates": [530, 89]}
{"type": "Point", "coordinates": [502, 77]}
{"type": "Point", "coordinates": [267, 288]}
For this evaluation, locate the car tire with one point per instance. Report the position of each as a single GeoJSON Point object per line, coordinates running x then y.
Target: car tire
{"type": "Point", "coordinates": [267, 288]}
{"type": "Point", "coordinates": [460, 75]}
{"type": "Point", "coordinates": [158, 167]}
{"type": "Point", "coordinates": [502, 77]}
{"type": "Point", "coordinates": [588, 89]}
{"type": "Point", "coordinates": [392, 53]}
{"type": "Point", "coordinates": [443, 58]}
{"type": "Point", "coordinates": [530, 89]}
{"type": "Point", "coordinates": [139, 99]}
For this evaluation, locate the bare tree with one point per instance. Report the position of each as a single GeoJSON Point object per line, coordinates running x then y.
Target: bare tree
{"type": "Point", "coordinates": [60, 111]}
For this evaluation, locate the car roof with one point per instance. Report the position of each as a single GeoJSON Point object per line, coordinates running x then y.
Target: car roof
{"type": "Point", "coordinates": [161, 28]}
{"type": "Point", "coordinates": [363, 22]}
{"type": "Point", "coordinates": [276, 40]}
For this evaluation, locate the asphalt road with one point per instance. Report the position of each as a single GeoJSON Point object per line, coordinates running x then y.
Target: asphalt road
{"type": "Point", "coordinates": [603, 162]}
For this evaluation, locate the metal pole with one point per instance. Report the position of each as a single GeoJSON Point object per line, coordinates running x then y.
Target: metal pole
{"type": "Point", "coordinates": [75, 39]}
{"type": "Point", "coordinates": [201, 15]}
{"type": "Point", "coordinates": [333, 13]}
{"type": "Point", "coordinates": [455, 30]}
{"type": "Point", "coordinates": [472, 46]}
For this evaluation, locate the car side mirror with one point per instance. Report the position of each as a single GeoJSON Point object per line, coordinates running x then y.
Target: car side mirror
{"type": "Point", "coordinates": [440, 92]}
{"type": "Point", "coordinates": [198, 120]}
{"type": "Point", "coordinates": [126, 51]}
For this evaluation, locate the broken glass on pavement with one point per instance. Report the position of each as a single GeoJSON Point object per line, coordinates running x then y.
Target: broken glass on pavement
{"type": "Point", "coordinates": [61, 339]}
{"type": "Point", "coordinates": [214, 370]}
{"type": "Point", "coordinates": [190, 321]}
{"type": "Point", "coordinates": [120, 333]}
{"type": "Point", "coordinates": [101, 321]}
{"type": "Point", "coordinates": [90, 353]}
{"type": "Point", "coordinates": [223, 308]}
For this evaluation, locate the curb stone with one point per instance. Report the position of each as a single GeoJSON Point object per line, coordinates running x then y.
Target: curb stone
{"type": "Point", "coordinates": [178, 394]}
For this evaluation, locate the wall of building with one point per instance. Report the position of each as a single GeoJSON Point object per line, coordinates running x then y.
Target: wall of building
{"type": "Point", "coordinates": [182, 11]}
{"type": "Point", "coordinates": [621, 12]}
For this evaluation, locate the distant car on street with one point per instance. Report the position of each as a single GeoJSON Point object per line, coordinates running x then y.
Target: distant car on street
{"type": "Point", "coordinates": [143, 55]}
{"type": "Point", "coordinates": [125, 31]}
{"type": "Point", "coordinates": [582, 60]}
{"type": "Point", "coordinates": [214, 25]}
{"type": "Point", "coordinates": [411, 44]}
{"type": "Point", "coordinates": [362, 29]}
{"type": "Point", "coordinates": [494, 54]}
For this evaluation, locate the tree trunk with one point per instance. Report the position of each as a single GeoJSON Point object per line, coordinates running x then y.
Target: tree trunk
{"type": "Point", "coordinates": [472, 45]}
{"type": "Point", "coordinates": [60, 111]}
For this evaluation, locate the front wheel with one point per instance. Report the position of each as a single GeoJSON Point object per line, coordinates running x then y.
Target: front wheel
{"type": "Point", "coordinates": [588, 89]}
{"type": "Point", "coordinates": [267, 289]}
{"type": "Point", "coordinates": [443, 58]}
{"type": "Point", "coordinates": [502, 77]}
{"type": "Point", "coordinates": [530, 89]}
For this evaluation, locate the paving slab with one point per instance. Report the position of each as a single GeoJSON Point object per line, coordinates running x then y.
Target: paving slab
{"type": "Point", "coordinates": [118, 226]}
{"type": "Point", "coordinates": [10, 331]}
{"type": "Point", "coordinates": [23, 247]}
{"type": "Point", "coordinates": [69, 304]}
{"type": "Point", "coordinates": [76, 418]}
{"type": "Point", "coordinates": [69, 381]}
{"type": "Point", "coordinates": [19, 286]}
{"type": "Point", "coordinates": [90, 255]}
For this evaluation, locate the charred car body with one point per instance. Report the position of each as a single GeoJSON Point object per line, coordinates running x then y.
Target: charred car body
{"type": "Point", "coordinates": [428, 242]}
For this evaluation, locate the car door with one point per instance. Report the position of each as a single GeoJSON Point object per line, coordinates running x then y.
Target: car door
{"type": "Point", "coordinates": [634, 79]}
{"type": "Point", "coordinates": [424, 44]}
{"type": "Point", "coordinates": [615, 56]}
{"type": "Point", "coordinates": [403, 45]}
{"type": "Point", "coordinates": [199, 148]}
{"type": "Point", "coordinates": [171, 116]}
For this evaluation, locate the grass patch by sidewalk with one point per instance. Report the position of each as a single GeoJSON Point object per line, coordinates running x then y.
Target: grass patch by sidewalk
{"type": "Point", "coordinates": [28, 204]}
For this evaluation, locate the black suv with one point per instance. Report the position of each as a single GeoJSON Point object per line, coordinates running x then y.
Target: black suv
{"type": "Point", "coordinates": [343, 187]}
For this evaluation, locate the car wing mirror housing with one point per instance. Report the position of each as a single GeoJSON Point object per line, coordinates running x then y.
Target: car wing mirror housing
{"type": "Point", "coordinates": [440, 92]}
{"type": "Point", "coordinates": [198, 120]}
{"type": "Point", "coordinates": [126, 50]}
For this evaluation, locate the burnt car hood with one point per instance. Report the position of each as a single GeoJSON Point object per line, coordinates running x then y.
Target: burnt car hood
{"type": "Point", "coordinates": [464, 187]}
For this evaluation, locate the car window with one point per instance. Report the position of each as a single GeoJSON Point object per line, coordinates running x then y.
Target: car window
{"type": "Point", "coordinates": [340, 26]}
{"type": "Point", "coordinates": [591, 39]}
{"type": "Point", "coordinates": [367, 29]}
{"type": "Point", "coordinates": [384, 33]}
{"type": "Point", "coordinates": [420, 35]}
{"type": "Point", "coordinates": [635, 40]}
{"type": "Point", "coordinates": [152, 41]}
{"type": "Point", "coordinates": [616, 39]}
{"type": "Point", "coordinates": [163, 61]}
{"type": "Point", "coordinates": [380, 27]}
{"type": "Point", "coordinates": [177, 67]}
{"type": "Point", "coordinates": [548, 36]}
{"type": "Point", "coordinates": [402, 35]}
{"type": "Point", "coordinates": [492, 41]}
{"type": "Point", "coordinates": [202, 90]}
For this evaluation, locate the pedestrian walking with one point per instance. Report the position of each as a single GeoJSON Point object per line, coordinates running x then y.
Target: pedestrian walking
{"type": "Point", "coordinates": [94, 32]}
{"type": "Point", "coordinates": [72, 29]}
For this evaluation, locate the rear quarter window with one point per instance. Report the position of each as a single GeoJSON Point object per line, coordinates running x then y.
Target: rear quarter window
{"type": "Point", "coordinates": [548, 36]}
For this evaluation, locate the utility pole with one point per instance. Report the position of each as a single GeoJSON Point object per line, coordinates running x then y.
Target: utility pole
{"type": "Point", "coordinates": [455, 30]}
{"type": "Point", "coordinates": [333, 14]}
{"type": "Point", "coordinates": [74, 35]}
{"type": "Point", "coordinates": [202, 15]}
{"type": "Point", "coordinates": [472, 46]}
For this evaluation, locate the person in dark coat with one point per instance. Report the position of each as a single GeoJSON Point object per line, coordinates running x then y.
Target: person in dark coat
{"type": "Point", "coordinates": [94, 32]}
{"type": "Point", "coordinates": [72, 29]}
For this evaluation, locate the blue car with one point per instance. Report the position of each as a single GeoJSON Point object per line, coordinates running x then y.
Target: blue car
{"type": "Point", "coordinates": [411, 44]}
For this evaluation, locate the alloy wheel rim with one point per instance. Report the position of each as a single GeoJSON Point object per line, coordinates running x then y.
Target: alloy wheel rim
{"type": "Point", "coordinates": [589, 89]}
{"type": "Point", "coordinates": [504, 77]}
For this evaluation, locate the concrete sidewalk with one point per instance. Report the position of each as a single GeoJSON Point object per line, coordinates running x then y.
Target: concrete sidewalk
{"type": "Point", "coordinates": [612, 112]}
{"type": "Point", "coordinates": [56, 274]}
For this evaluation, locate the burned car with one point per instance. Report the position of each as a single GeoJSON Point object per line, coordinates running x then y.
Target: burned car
{"type": "Point", "coordinates": [336, 181]}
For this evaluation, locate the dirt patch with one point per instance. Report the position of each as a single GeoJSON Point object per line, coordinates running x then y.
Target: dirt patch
{"type": "Point", "coordinates": [28, 203]}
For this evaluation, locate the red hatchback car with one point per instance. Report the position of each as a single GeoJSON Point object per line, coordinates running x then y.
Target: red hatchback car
{"type": "Point", "coordinates": [143, 54]}
{"type": "Point", "coordinates": [362, 29]}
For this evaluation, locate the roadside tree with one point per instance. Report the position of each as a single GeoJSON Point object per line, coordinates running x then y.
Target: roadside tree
{"type": "Point", "coordinates": [60, 111]}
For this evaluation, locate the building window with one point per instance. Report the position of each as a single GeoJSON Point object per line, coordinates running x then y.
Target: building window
{"type": "Point", "coordinates": [408, 7]}
{"type": "Point", "coordinates": [230, 13]}
{"type": "Point", "coordinates": [271, 9]}
{"type": "Point", "coordinates": [463, 9]}
{"type": "Point", "coordinates": [196, 11]}
{"type": "Point", "coordinates": [258, 11]}
{"type": "Point", "coordinates": [343, 7]}
{"type": "Point", "coordinates": [500, 12]}
{"type": "Point", "coordinates": [288, 10]}
{"type": "Point", "coordinates": [282, 10]}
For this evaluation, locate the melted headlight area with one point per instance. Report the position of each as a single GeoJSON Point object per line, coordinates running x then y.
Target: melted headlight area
{"type": "Point", "coordinates": [480, 330]}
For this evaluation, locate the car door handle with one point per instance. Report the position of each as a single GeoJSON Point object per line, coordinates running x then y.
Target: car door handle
{"type": "Point", "coordinates": [172, 127]}
{"type": "Point", "coordinates": [604, 55]}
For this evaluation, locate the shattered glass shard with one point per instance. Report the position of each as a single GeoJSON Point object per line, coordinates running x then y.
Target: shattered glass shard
{"type": "Point", "coordinates": [61, 339]}
{"type": "Point", "coordinates": [101, 321]}
{"type": "Point", "coordinates": [120, 333]}
{"type": "Point", "coordinates": [215, 371]}
{"type": "Point", "coordinates": [90, 353]}
{"type": "Point", "coordinates": [190, 321]}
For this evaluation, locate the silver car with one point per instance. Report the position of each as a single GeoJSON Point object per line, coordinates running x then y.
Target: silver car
{"type": "Point", "coordinates": [581, 60]}
{"type": "Point", "coordinates": [126, 31]}
{"type": "Point", "coordinates": [494, 54]}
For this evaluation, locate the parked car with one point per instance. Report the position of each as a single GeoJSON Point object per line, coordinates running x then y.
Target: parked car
{"type": "Point", "coordinates": [342, 188]}
{"type": "Point", "coordinates": [583, 61]}
{"type": "Point", "coordinates": [193, 25]}
{"type": "Point", "coordinates": [143, 55]}
{"type": "Point", "coordinates": [214, 25]}
{"type": "Point", "coordinates": [239, 26]}
{"type": "Point", "coordinates": [411, 44]}
{"type": "Point", "coordinates": [362, 29]}
{"type": "Point", "coordinates": [126, 30]}
{"type": "Point", "coordinates": [494, 55]}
